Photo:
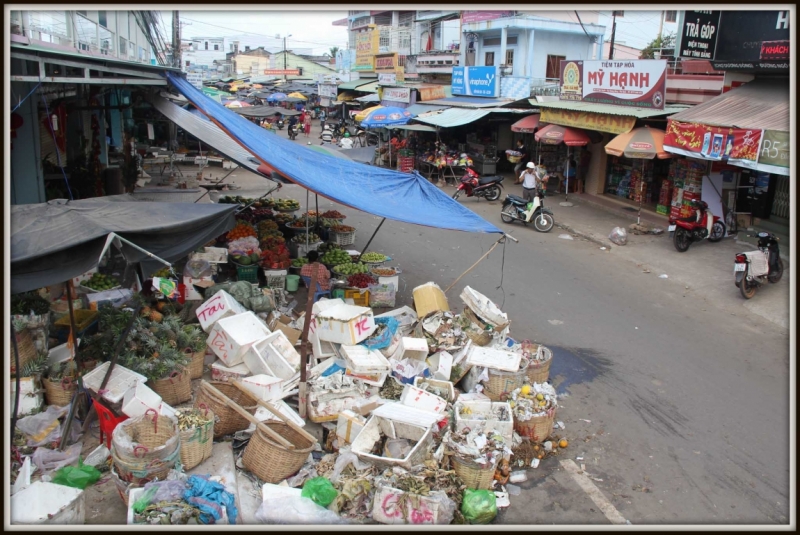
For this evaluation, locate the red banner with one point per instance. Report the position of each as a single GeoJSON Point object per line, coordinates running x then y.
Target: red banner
{"type": "Point", "coordinates": [732, 145]}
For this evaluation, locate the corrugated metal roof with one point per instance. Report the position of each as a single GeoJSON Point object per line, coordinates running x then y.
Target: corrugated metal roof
{"type": "Point", "coordinates": [74, 53]}
{"type": "Point", "coordinates": [369, 87]}
{"type": "Point", "coordinates": [472, 102]}
{"type": "Point", "coordinates": [418, 109]}
{"type": "Point", "coordinates": [761, 104]}
{"type": "Point", "coordinates": [453, 117]}
{"type": "Point", "coordinates": [355, 83]}
{"type": "Point", "coordinates": [608, 109]}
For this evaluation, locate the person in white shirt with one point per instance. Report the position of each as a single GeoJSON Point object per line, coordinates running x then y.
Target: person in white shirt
{"type": "Point", "coordinates": [327, 135]}
{"type": "Point", "coordinates": [531, 180]}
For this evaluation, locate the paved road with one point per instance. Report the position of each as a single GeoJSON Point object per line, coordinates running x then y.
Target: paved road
{"type": "Point", "coordinates": [688, 404]}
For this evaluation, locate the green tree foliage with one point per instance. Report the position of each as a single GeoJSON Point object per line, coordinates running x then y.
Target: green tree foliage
{"type": "Point", "coordinates": [658, 44]}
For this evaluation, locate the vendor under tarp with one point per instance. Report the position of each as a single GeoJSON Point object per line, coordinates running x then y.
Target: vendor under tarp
{"type": "Point", "coordinates": [55, 241]}
{"type": "Point", "coordinates": [407, 197]}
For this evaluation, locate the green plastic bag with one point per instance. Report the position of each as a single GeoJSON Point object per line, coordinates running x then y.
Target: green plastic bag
{"type": "Point", "coordinates": [78, 477]}
{"type": "Point", "coordinates": [320, 490]}
{"type": "Point", "coordinates": [144, 500]}
{"type": "Point", "coordinates": [479, 506]}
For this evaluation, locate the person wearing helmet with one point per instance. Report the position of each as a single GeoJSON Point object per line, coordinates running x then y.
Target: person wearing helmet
{"type": "Point", "coordinates": [327, 135]}
{"type": "Point", "coordinates": [531, 181]}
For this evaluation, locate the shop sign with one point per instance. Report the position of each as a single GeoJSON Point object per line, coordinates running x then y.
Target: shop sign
{"type": "Point", "coordinates": [698, 37]}
{"type": "Point", "coordinates": [481, 16]}
{"type": "Point", "coordinates": [386, 62]}
{"type": "Point", "coordinates": [366, 48]}
{"type": "Point", "coordinates": [397, 94]}
{"type": "Point", "coordinates": [324, 102]}
{"type": "Point", "coordinates": [387, 78]}
{"type": "Point", "coordinates": [280, 72]}
{"type": "Point", "coordinates": [327, 90]}
{"type": "Point", "coordinates": [475, 81]}
{"type": "Point", "coordinates": [775, 149]}
{"type": "Point", "coordinates": [601, 122]}
{"type": "Point", "coordinates": [195, 78]}
{"type": "Point", "coordinates": [735, 146]}
{"type": "Point", "coordinates": [431, 93]}
{"type": "Point", "coordinates": [753, 40]}
{"type": "Point", "coordinates": [640, 83]}
{"type": "Point", "coordinates": [345, 59]}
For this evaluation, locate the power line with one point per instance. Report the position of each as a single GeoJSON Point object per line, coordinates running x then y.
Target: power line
{"type": "Point", "coordinates": [581, 23]}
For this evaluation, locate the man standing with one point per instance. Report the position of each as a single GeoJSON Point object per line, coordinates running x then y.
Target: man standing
{"type": "Point", "coordinates": [523, 160]}
{"type": "Point", "coordinates": [530, 181]}
{"type": "Point", "coordinates": [322, 120]}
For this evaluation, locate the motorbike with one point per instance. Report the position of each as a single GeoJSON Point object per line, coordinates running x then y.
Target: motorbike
{"type": "Point", "coordinates": [294, 130]}
{"type": "Point", "coordinates": [475, 185]}
{"type": "Point", "coordinates": [697, 227]}
{"type": "Point", "coordinates": [755, 268]}
{"type": "Point", "coordinates": [279, 124]}
{"type": "Point", "coordinates": [515, 208]}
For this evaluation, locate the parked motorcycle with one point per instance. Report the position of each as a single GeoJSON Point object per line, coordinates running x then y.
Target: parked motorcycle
{"type": "Point", "coordinates": [279, 124]}
{"type": "Point", "coordinates": [697, 227]}
{"type": "Point", "coordinates": [476, 186]}
{"type": "Point", "coordinates": [515, 208]}
{"type": "Point", "coordinates": [755, 268]}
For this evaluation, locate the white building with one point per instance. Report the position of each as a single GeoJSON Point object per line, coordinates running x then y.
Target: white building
{"type": "Point", "coordinates": [210, 52]}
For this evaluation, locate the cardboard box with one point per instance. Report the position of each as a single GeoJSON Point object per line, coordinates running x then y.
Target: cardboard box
{"type": "Point", "coordinates": [412, 348]}
{"type": "Point", "coordinates": [231, 337]}
{"type": "Point", "coordinates": [420, 399]}
{"type": "Point", "coordinates": [264, 387]}
{"type": "Point", "coordinates": [220, 372]}
{"type": "Point", "coordinates": [218, 306]}
{"type": "Point", "coordinates": [388, 508]}
{"type": "Point", "coordinates": [349, 425]}
{"type": "Point", "coordinates": [344, 324]}
{"type": "Point", "coordinates": [429, 298]}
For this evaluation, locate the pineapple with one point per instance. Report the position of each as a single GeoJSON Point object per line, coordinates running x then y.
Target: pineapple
{"type": "Point", "coordinates": [155, 316]}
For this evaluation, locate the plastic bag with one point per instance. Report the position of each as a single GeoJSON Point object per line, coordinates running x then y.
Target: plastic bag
{"type": "Point", "coordinates": [78, 477]}
{"type": "Point", "coordinates": [618, 236]}
{"type": "Point", "coordinates": [384, 339]}
{"type": "Point", "coordinates": [382, 295]}
{"type": "Point", "coordinates": [345, 458]}
{"type": "Point", "coordinates": [295, 510]}
{"type": "Point", "coordinates": [166, 491]}
{"type": "Point", "coordinates": [479, 506]}
{"type": "Point", "coordinates": [320, 490]}
{"type": "Point", "coordinates": [42, 428]}
{"type": "Point", "coordinates": [197, 269]}
{"type": "Point", "coordinates": [48, 460]}
{"type": "Point", "coordinates": [210, 497]}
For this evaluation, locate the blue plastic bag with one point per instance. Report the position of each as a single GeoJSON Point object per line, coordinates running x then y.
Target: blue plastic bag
{"type": "Point", "coordinates": [210, 497]}
{"type": "Point", "coordinates": [384, 339]}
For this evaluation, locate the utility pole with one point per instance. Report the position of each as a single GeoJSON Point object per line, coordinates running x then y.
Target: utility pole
{"type": "Point", "coordinates": [284, 58]}
{"type": "Point", "coordinates": [613, 33]}
{"type": "Point", "coordinates": [661, 26]}
{"type": "Point", "coordinates": [176, 41]}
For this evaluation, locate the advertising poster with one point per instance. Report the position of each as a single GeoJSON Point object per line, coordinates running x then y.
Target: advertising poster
{"type": "Point", "coordinates": [735, 146]}
{"type": "Point", "coordinates": [639, 83]}
{"type": "Point", "coordinates": [475, 81]}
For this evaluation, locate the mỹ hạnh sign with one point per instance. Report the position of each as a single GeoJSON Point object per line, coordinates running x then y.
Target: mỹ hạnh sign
{"type": "Point", "coordinates": [636, 83]}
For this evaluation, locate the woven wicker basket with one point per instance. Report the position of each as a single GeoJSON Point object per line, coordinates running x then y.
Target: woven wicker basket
{"type": "Point", "coordinates": [155, 449]}
{"type": "Point", "coordinates": [472, 474]}
{"type": "Point", "coordinates": [197, 364]}
{"type": "Point", "coordinates": [229, 420]}
{"type": "Point", "coordinates": [59, 393]}
{"type": "Point", "coordinates": [123, 488]}
{"type": "Point", "coordinates": [26, 347]}
{"type": "Point", "coordinates": [481, 339]}
{"type": "Point", "coordinates": [538, 428]}
{"type": "Point", "coordinates": [513, 159]}
{"type": "Point", "coordinates": [175, 389]}
{"type": "Point", "coordinates": [272, 462]}
{"type": "Point", "coordinates": [539, 371]}
{"type": "Point", "coordinates": [501, 383]}
{"type": "Point", "coordinates": [197, 442]}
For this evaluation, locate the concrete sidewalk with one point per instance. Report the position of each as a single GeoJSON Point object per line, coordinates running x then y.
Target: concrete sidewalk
{"type": "Point", "coordinates": [705, 270]}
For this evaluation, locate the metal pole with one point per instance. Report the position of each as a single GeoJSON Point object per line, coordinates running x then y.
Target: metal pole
{"type": "Point", "coordinates": [566, 188]}
{"type": "Point", "coordinates": [304, 345]}
{"type": "Point", "coordinates": [284, 58]}
{"type": "Point", "coordinates": [371, 237]}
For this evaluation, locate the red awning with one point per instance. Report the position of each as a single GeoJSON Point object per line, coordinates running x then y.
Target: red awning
{"type": "Point", "coordinates": [554, 134]}
{"type": "Point", "coordinates": [527, 124]}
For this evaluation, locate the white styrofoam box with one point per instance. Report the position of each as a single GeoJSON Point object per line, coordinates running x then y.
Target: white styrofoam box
{"type": "Point", "coordinates": [98, 456]}
{"type": "Point", "coordinates": [461, 354]}
{"type": "Point", "coordinates": [413, 348]}
{"type": "Point", "coordinates": [265, 387]}
{"type": "Point", "coordinates": [349, 425]}
{"type": "Point", "coordinates": [133, 495]}
{"type": "Point", "coordinates": [30, 395]}
{"type": "Point", "coordinates": [484, 418]}
{"type": "Point", "coordinates": [23, 480]}
{"type": "Point", "coordinates": [140, 399]}
{"type": "Point", "coordinates": [398, 412]}
{"type": "Point", "coordinates": [122, 379]}
{"type": "Point", "coordinates": [441, 364]}
{"type": "Point", "coordinates": [220, 372]}
{"type": "Point", "coordinates": [405, 316]}
{"type": "Point", "coordinates": [321, 349]}
{"type": "Point", "coordinates": [345, 324]}
{"type": "Point", "coordinates": [328, 404]}
{"type": "Point", "coordinates": [280, 344]}
{"type": "Point", "coordinates": [218, 306]}
{"type": "Point", "coordinates": [84, 277]}
{"type": "Point", "coordinates": [386, 508]}
{"type": "Point", "coordinates": [420, 399]}
{"type": "Point", "coordinates": [231, 337]}
{"type": "Point", "coordinates": [374, 379]}
{"type": "Point", "coordinates": [261, 360]}
{"type": "Point", "coordinates": [484, 308]}
{"type": "Point", "coordinates": [263, 414]}
{"type": "Point", "coordinates": [420, 436]}
{"type": "Point", "coordinates": [216, 255]}
{"type": "Point", "coordinates": [494, 358]}
{"type": "Point", "coordinates": [166, 410]}
{"type": "Point", "coordinates": [58, 354]}
{"type": "Point", "coordinates": [360, 359]}
{"type": "Point", "coordinates": [269, 491]}
{"type": "Point", "coordinates": [444, 385]}
{"type": "Point", "coordinates": [473, 396]}
{"type": "Point", "coordinates": [48, 503]}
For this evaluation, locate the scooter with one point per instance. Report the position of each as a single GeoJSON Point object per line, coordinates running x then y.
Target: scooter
{"type": "Point", "coordinates": [475, 185]}
{"type": "Point", "coordinates": [697, 227]}
{"type": "Point", "coordinates": [515, 208]}
{"type": "Point", "coordinates": [279, 124]}
{"type": "Point", "coordinates": [293, 131]}
{"type": "Point", "coordinates": [755, 268]}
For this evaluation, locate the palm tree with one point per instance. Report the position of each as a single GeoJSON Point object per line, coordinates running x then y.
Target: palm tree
{"type": "Point", "coordinates": [333, 51]}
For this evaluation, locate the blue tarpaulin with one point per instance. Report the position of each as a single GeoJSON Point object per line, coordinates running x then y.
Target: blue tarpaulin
{"type": "Point", "coordinates": [406, 197]}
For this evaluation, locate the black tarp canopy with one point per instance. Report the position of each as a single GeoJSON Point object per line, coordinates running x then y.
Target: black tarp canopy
{"type": "Point", "coordinates": [55, 241]}
{"type": "Point", "coordinates": [263, 111]}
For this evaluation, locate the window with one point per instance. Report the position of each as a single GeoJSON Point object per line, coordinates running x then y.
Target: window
{"type": "Point", "coordinates": [86, 33]}
{"type": "Point", "coordinates": [123, 46]}
{"type": "Point", "coordinates": [509, 57]}
{"type": "Point", "coordinates": [188, 62]}
{"type": "Point", "coordinates": [489, 62]}
{"type": "Point", "coordinates": [670, 16]}
{"type": "Point", "coordinates": [216, 47]}
{"type": "Point", "coordinates": [206, 45]}
{"type": "Point", "coordinates": [491, 41]}
{"type": "Point", "coordinates": [131, 50]}
{"type": "Point", "coordinates": [247, 49]}
{"type": "Point", "coordinates": [554, 66]}
{"type": "Point", "coordinates": [401, 61]}
{"type": "Point", "coordinates": [102, 18]}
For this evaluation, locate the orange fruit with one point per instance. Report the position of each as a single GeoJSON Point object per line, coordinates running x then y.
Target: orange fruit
{"type": "Point", "coordinates": [536, 447]}
{"type": "Point", "coordinates": [563, 443]}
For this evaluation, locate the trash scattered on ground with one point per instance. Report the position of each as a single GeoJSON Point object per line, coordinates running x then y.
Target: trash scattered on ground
{"type": "Point", "coordinates": [565, 237]}
{"type": "Point", "coordinates": [618, 236]}
{"type": "Point", "coordinates": [663, 276]}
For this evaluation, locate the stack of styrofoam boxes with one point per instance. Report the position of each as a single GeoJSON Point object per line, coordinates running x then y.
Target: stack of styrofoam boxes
{"type": "Point", "coordinates": [127, 387]}
{"type": "Point", "coordinates": [366, 365]}
{"type": "Point", "coordinates": [230, 338]}
{"type": "Point", "coordinates": [275, 356]}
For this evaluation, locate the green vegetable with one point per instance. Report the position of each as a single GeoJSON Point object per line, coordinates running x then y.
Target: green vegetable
{"type": "Point", "coordinates": [373, 257]}
{"type": "Point", "coordinates": [350, 268]}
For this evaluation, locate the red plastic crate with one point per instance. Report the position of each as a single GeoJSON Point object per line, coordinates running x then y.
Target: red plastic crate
{"type": "Point", "coordinates": [108, 422]}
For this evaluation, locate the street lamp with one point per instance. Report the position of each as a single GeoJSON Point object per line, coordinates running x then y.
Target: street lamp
{"type": "Point", "coordinates": [284, 56]}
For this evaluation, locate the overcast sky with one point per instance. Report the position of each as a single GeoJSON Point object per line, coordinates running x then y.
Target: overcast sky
{"type": "Point", "coordinates": [313, 29]}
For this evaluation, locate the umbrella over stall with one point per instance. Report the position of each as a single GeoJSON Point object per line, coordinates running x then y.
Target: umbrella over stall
{"type": "Point", "coordinates": [643, 143]}
{"type": "Point", "coordinates": [554, 134]}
